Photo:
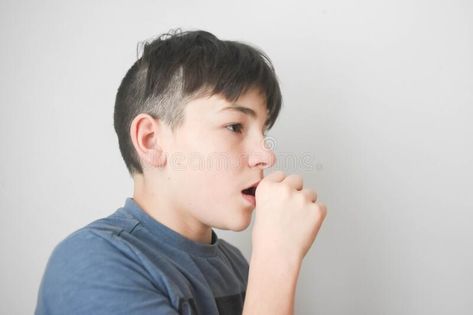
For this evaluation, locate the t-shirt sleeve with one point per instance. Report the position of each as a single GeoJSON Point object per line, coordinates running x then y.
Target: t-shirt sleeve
{"type": "Point", "coordinates": [87, 274]}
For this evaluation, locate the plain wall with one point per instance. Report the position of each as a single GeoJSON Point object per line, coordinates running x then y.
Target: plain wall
{"type": "Point", "coordinates": [378, 104]}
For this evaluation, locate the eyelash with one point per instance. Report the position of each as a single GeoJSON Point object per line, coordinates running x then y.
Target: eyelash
{"type": "Point", "coordinates": [239, 126]}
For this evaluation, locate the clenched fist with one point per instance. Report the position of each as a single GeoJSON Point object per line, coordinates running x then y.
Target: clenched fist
{"type": "Point", "coordinates": [287, 217]}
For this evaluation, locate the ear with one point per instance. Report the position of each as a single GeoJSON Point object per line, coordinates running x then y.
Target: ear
{"type": "Point", "coordinates": [145, 133]}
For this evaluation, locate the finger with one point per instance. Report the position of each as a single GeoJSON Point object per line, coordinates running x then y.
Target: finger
{"type": "Point", "coordinates": [322, 209]}
{"type": "Point", "coordinates": [276, 176]}
{"type": "Point", "coordinates": [294, 181]}
{"type": "Point", "coordinates": [309, 194]}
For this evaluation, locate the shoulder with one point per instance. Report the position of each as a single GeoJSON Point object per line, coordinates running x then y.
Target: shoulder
{"type": "Point", "coordinates": [97, 239]}
{"type": "Point", "coordinates": [95, 251]}
{"type": "Point", "coordinates": [93, 265]}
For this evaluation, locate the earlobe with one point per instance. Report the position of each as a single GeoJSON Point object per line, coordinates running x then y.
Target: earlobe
{"type": "Point", "coordinates": [156, 157]}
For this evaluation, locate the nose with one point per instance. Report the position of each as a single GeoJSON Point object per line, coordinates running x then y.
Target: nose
{"type": "Point", "coordinates": [262, 155]}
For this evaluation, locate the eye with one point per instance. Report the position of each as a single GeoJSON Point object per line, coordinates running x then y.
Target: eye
{"type": "Point", "coordinates": [237, 127]}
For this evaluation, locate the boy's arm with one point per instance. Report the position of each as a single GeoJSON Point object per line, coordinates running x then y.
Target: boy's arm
{"type": "Point", "coordinates": [271, 286]}
{"type": "Point", "coordinates": [287, 220]}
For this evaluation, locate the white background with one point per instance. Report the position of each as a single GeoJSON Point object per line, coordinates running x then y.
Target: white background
{"type": "Point", "coordinates": [378, 95]}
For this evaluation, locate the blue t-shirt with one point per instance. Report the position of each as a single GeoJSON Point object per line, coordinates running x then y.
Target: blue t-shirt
{"type": "Point", "coordinates": [129, 263]}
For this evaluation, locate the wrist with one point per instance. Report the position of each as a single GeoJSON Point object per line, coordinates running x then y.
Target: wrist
{"type": "Point", "coordinates": [276, 263]}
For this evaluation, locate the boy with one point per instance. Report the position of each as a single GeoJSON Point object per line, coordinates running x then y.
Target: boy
{"type": "Point", "coordinates": [189, 104]}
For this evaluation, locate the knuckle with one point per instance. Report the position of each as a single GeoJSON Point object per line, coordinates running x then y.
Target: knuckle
{"type": "Point", "coordinates": [295, 177]}
{"type": "Point", "coordinates": [280, 173]}
{"type": "Point", "coordinates": [285, 190]}
{"type": "Point", "coordinates": [300, 199]}
{"type": "Point", "coordinates": [308, 194]}
{"type": "Point", "coordinates": [275, 176]}
{"type": "Point", "coordinates": [321, 210]}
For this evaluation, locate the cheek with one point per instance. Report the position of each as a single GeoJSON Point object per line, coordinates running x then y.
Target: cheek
{"type": "Point", "coordinates": [215, 189]}
{"type": "Point", "coordinates": [211, 201]}
{"type": "Point", "coordinates": [203, 182]}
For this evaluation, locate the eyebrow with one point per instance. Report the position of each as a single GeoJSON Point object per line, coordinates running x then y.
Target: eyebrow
{"type": "Point", "coordinates": [245, 110]}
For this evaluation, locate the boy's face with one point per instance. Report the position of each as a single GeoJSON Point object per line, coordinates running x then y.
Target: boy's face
{"type": "Point", "coordinates": [212, 157]}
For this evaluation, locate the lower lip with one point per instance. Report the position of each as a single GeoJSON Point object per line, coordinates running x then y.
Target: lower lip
{"type": "Point", "coordinates": [251, 199]}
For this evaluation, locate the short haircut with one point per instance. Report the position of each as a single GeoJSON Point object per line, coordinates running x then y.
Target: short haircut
{"type": "Point", "coordinates": [177, 67]}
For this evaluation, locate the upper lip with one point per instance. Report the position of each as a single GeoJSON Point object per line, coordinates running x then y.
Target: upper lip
{"type": "Point", "coordinates": [253, 185]}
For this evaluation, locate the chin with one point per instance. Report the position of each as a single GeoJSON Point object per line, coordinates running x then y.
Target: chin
{"type": "Point", "coordinates": [240, 224]}
{"type": "Point", "coordinates": [235, 224]}
{"type": "Point", "coordinates": [241, 228]}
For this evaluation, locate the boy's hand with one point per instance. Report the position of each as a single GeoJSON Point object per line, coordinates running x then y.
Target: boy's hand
{"type": "Point", "coordinates": [287, 217]}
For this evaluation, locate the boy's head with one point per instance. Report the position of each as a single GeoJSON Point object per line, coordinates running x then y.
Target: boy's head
{"type": "Point", "coordinates": [174, 133]}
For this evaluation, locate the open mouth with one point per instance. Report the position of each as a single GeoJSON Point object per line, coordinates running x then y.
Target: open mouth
{"type": "Point", "coordinates": [249, 194]}
{"type": "Point", "coordinates": [249, 191]}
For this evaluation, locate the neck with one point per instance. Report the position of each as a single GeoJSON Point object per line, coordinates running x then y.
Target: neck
{"type": "Point", "coordinates": [160, 207]}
